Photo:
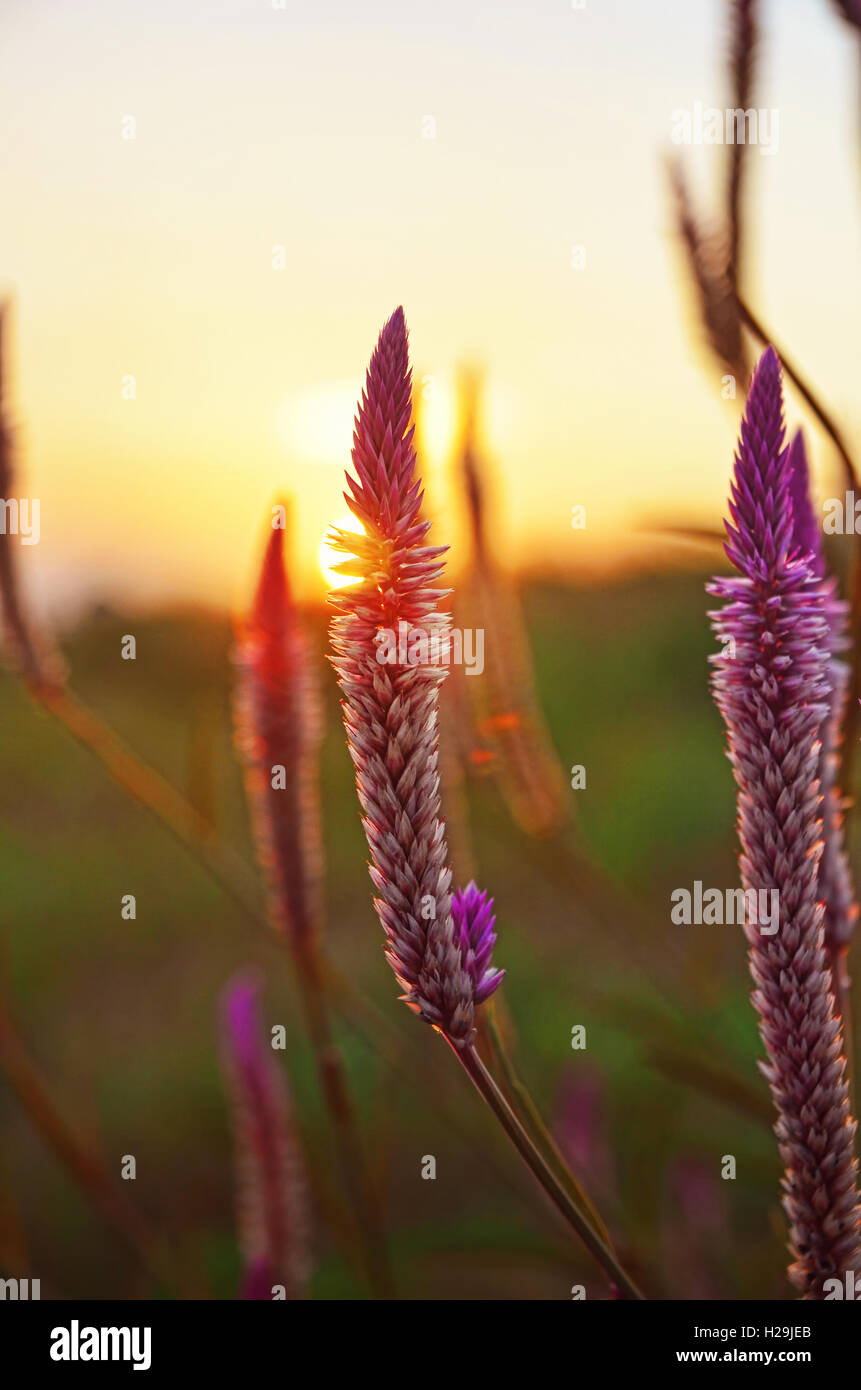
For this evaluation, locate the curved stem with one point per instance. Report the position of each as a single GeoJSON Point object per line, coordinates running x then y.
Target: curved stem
{"type": "Point", "coordinates": [490, 1092]}
{"type": "Point", "coordinates": [823, 415]}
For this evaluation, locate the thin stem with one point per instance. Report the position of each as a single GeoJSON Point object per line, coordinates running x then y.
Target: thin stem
{"type": "Point", "coordinates": [822, 414]}
{"type": "Point", "coordinates": [490, 1092]}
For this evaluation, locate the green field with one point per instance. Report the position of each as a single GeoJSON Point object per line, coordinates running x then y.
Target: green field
{"type": "Point", "coordinates": [121, 1015]}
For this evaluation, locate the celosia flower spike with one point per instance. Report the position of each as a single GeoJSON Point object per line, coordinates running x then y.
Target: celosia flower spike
{"type": "Point", "coordinates": [272, 1200]}
{"type": "Point", "coordinates": [391, 710]}
{"type": "Point", "coordinates": [278, 733]}
{"type": "Point", "coordinates": [771, 685]}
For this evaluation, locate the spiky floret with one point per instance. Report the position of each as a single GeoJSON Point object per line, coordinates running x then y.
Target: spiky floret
{"type": "Point", "coordinates": [391, 710]}
{"type": "Point", "coordinates": [771, 685]}
{"type": "Point", "coordinates": [474, 922]}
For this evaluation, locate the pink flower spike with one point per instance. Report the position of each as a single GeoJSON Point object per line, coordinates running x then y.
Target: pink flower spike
{"type": "Point", "coordinates": [391, 710]}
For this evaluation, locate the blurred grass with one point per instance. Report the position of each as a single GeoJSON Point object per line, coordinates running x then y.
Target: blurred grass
{"type": "Point", "coordinates": [120, 1014]}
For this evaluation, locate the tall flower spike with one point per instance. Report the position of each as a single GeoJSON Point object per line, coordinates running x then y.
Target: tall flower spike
{"type": "Point", "coordinates": [771, 686]}
{"type": "Point", "coordinates": [835, 879]}
{"type": "Point", "coordinates": [278, 733]}
{"type": "Point", "coordinates": [390, 710]}
{"type": "Point", "coordinates": [273, 1223]}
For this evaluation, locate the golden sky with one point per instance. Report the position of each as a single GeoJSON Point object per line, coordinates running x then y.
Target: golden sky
{"type": "Point", "coordinates": [302, 127]}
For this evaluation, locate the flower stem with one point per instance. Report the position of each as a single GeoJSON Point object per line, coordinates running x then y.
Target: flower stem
{"type": "Point", "coordinates": [490, 1092]}
{"type": "Point", "coordinates": [823, 415]}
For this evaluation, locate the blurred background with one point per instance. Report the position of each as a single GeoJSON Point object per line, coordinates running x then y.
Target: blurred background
{"type": "Point", "coordinates": [210, 210]}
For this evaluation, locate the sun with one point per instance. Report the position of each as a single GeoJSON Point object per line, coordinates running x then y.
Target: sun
{"type": "Point", "coordinates": [329, 556]}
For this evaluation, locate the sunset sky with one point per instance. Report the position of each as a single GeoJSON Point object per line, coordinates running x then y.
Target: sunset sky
{"type": "Point", "coordinates": [303, 127]}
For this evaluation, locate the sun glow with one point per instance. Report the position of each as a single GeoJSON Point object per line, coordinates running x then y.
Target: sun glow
{"type": "Point", "coordinates": [329, 556]}
{"type": "Point", "coordinates": [315, 423]}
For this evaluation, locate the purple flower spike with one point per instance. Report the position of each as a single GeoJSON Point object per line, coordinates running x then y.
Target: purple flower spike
{"type": "Point", "coordinates": [771, 685]}
{"type": "Point", "coordinates": [391, 710]}
{"type": "Point", "coordinates": [273, 1225]}
{"type": "Point", "coordinates": [474, 921]}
